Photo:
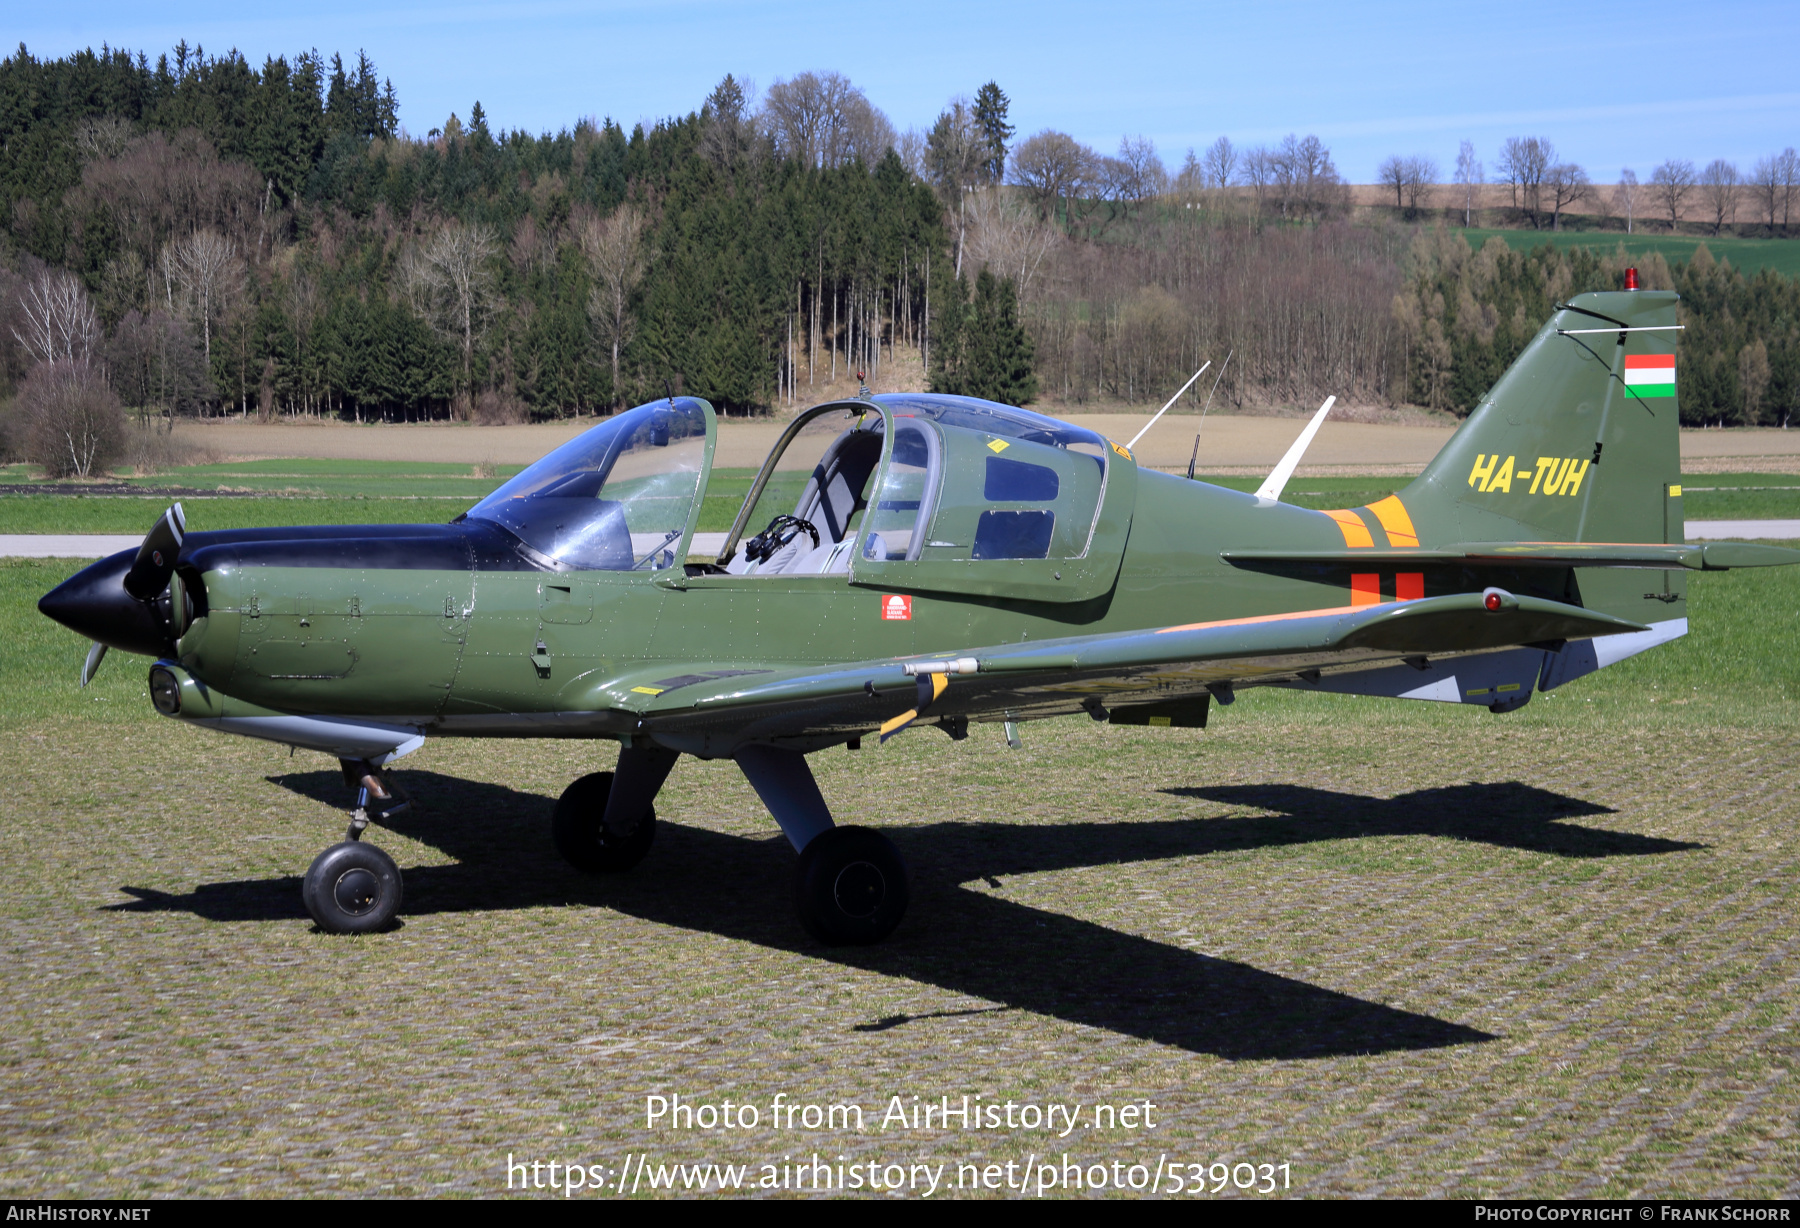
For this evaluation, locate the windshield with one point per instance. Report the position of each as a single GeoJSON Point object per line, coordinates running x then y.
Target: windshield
{"type": "Point", "coordinates": [615, 498]}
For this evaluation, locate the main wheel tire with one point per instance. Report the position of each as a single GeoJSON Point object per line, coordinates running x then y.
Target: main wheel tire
{"type": "Point", "coordinates": [851, 889]}
{"type": "Point", "coordinates": [352, 888]}
{"type": "Point", "coordinates": [584, 841]}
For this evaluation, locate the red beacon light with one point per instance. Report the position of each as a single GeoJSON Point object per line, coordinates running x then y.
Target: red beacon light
{"type": "Point", "coordinates": [1631, 279]}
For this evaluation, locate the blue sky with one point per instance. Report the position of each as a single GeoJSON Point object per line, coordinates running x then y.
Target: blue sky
{"type": "Point", "coordinates": [1612, 86]}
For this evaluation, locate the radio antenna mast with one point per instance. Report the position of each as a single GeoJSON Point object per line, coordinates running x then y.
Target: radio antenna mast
{"type": "Point", "coordinates": [1165, 409]}
{"type": "Point", "coordinates": [1194, 459]}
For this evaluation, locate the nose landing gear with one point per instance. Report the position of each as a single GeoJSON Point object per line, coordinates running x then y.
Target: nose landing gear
{"type": "Point", "coordinates": [352, 887]}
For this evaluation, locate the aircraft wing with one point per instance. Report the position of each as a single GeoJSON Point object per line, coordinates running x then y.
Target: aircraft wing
{"type": "Point", "coordinates": [1017, 681]}
{"type": "Point", "coordinates": [1695, 556]}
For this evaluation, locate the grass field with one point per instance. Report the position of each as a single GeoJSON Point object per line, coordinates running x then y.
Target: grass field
{"type": "Point", "coordinates": [1748, 255]}
{"type": "Point", "coordinates": [410, 497]}
{"type": "Point", "coordinates": [1403, 950]}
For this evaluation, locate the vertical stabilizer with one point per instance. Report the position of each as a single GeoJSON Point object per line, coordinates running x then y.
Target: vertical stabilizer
{"type": "Point", "coordinates": [1577, 441]}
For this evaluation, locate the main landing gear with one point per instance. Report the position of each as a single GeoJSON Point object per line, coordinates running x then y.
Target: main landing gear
{"type": "Point", "coordinates": [352, 887]}
{"type": "Point", "coordinates": [851, 885]}
{"type": "Point", "coordinates": [851, 890]}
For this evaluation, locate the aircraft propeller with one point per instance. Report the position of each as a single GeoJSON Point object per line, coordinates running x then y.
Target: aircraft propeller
{"type": "Point", "coordinates": [155, 563]}
{"type": "Point", "coordinates": [113, 602]}
{"type": "Point", "coordinates": [96, 654]}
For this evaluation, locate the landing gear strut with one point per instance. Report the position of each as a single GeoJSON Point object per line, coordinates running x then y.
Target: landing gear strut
{"type": "Point", "coordinates": [851, 887]}
{"type": "Point", "coordinates": [352, 887]}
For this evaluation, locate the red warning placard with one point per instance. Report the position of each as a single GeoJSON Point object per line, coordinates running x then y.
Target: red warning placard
{"type": "Point", "coordinates": [895, 608]}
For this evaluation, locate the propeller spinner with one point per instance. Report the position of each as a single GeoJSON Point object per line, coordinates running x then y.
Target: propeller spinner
{"type": "Point", "coordinates": [114, 602]}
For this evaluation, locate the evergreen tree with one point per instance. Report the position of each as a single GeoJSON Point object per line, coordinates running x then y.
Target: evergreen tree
{"type": "Point", "coordinates": [981, 349]}
{"type": "Point", "coordinates": [990, 117]}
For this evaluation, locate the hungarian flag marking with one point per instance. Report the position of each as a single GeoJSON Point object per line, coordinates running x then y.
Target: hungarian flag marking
{"type": "Point", "coordinates": [1649, 375]}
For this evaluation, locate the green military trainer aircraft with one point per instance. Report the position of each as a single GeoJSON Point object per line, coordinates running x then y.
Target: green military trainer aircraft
{"type": "Point", "coordinates": [913, 559]}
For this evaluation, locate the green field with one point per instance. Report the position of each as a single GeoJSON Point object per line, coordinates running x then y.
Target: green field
{"type": "Point", "coordinates": [1748, 255]}
{"type": "Point", "coordinates": [1709, 496]}
{"type": "Point", "coordinates": [1405, 950]}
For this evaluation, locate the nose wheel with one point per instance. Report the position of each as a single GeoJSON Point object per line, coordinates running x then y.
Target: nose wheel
{"type": "Point", "coordinates": [352, 887]}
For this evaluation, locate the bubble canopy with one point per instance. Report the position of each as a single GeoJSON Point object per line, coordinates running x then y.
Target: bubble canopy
{"type": "Point", "coordinates": [615, 498]}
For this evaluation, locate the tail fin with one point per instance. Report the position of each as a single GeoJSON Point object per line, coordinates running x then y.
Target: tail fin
{"type": "Point", "coordinates": [1576, 442]}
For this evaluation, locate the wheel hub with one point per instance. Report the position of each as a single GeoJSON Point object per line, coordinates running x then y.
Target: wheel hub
{"type": "Point", "coordinates": [859, 889]}
{"type": "Point", "coordinates": [357, 891]}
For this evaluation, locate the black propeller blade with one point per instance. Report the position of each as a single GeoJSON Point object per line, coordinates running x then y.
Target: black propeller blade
{"type": "Point", "coordinates": [115, 602]}
{"type": "Point", "coordinates": [155, 563]}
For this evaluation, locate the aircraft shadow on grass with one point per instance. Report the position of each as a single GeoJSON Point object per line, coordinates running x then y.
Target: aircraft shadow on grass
{"type": "Point", "coordinates": [965, 939]}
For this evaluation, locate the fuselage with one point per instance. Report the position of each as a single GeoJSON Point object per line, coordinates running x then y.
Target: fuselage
{"type": "Point", "coordinates": [447, 627]}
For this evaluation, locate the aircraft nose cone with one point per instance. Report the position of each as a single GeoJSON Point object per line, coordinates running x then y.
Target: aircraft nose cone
{"type": "Point", "coordinates": [93, 602]}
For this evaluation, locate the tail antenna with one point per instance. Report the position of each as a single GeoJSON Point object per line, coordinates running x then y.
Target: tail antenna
{"type": "Point", "coordinates": [1195, 458]}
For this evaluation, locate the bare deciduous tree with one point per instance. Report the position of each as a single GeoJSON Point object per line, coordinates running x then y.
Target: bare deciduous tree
{"type": "Point", "coordinates": [102, 136]}
{"type": "Point", "coordinates": [1671, 184]}
{"type": "Point", "coordinates": [823, 120]}
{"type": "Point", "coordinates": [1411, 178]}
{"type": "Point", "coordinates": [1468, 178]}
{"type": "Point", "coordinates": [73, 422]}
{"type": "Point", "coordinates": [910, 146]}
{"type": "Point", "coordinates": [1392, 174]}
{"type": "Point", "coordinates": [158, 188]}
{"type": "Point", "coordinates": [1306, 181]}
{"type": "Point", "coordinates": [1524, 162]}
{"type": "Point", "coordinates": [453, 285]}
{"type": "Point", "coordinates": [60, 327]}
{"type": "Point", "coordinates": [1719, 184]}
{"type": "Point", "coordinates": [1421, 179]}
{"type": "Point", "coordinates": [204, 267]}
{"type": "Point", "coordinates": [1566, 183]}
{"type": "Point", "coordinates": [1008, 238]}
{"type": "Point", "coordinates": [1258, 173]}
{"type": "Point", "coordinates": [155, 362]}
{"type": "Point", "coordinates": [1625, 196]}
{"type": "Point", "coordinates": [1051, 167]}
{"type": "Point", "coordinates": [1774, 182]}
{"type": "Point", "coordinates": [1144, 175]}
{"type": "Point", "coordinates": [1220, 163]}
{"type": "Point", "coordinates": [614, 248]}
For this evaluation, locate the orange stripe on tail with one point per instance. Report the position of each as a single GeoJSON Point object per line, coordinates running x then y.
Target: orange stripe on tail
{"type": "Point", "coordinates": [1355, 532]}
{"type": "Point", "coordinates": [1399, 526]}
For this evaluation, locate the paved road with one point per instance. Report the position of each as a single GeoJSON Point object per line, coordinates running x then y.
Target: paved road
{"type": "Point", "coordinates": [99, 545]}
{"type": "Point", "coordinates": [1714, 530]}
